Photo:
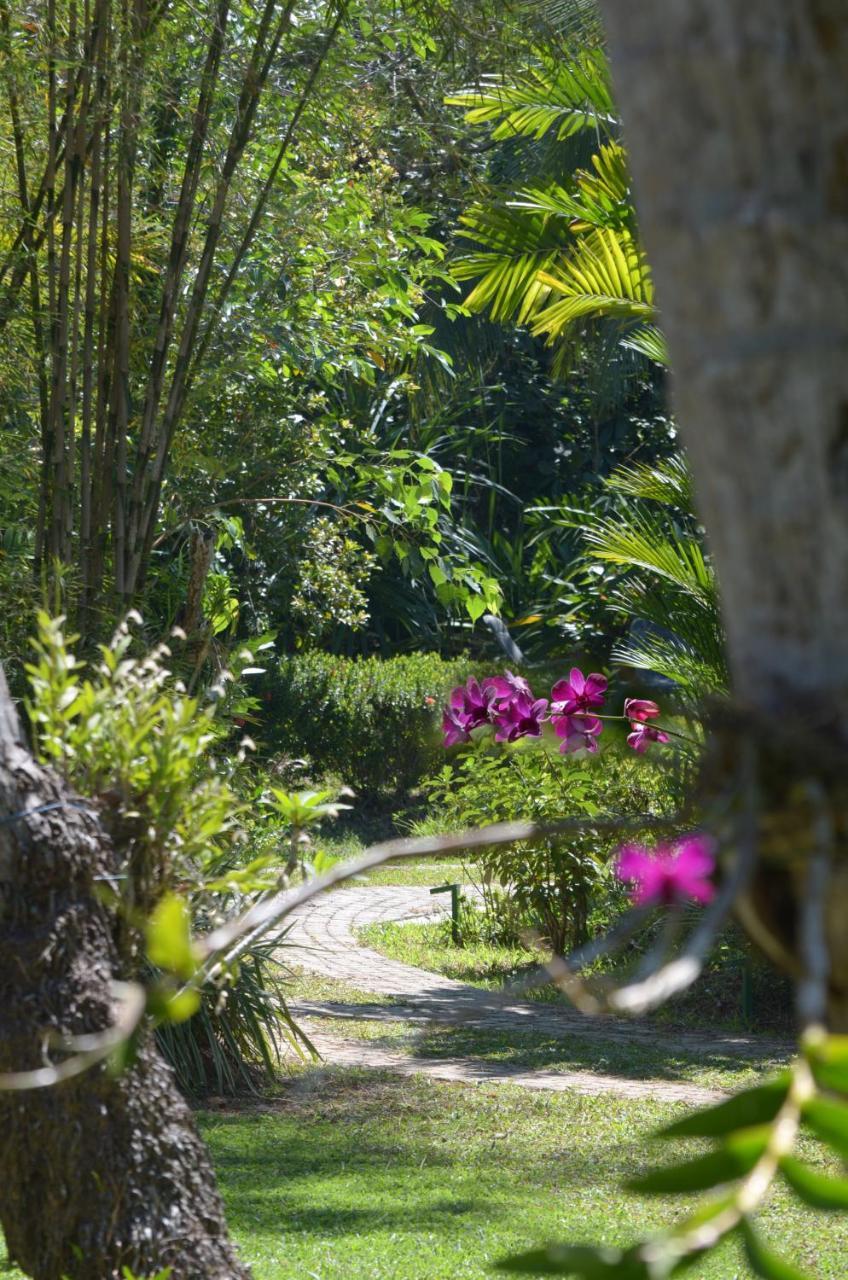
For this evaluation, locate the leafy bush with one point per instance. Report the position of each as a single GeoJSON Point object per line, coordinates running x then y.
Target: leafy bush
{"type": "Point", "coordinates": [370, 721]}
{"type": "Point", "coordinates": [132, 741]}
{"type": "Point", "coordinates": [560, 887]}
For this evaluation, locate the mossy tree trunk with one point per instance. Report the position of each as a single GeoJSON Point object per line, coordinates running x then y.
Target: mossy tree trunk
{"type": "Point", "coordinates": [736, 123]}
{"type": "Point", "coordinates": [100, 1172]}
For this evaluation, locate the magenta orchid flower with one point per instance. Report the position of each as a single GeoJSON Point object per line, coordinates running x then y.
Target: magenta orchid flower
{"type": "Point", "coordinates": [580, 733]}
{"type": "Point", "coordinates": [578, 693]}
{"type": "Point", "coordinates": [508, 685]}
{"type": "Point", "coordinates": [643, 735]}
{"type": "Point", "coordinates": [473, 701]}
{"type": "Point", "coordinates": [520, 717]}
{"type": "Point", "coordinates": [640, 709]}
{"type": "Point", "coordinates": [669, 874]}
{"type": "Point", "coordinates": [453, 727]}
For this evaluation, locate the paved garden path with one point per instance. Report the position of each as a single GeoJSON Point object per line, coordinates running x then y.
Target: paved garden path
{"type": "Point", "coordinates": [322, 938]}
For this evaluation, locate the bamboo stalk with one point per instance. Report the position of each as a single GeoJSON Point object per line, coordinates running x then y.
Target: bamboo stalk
{"type": "Point", "coordinates": [177, 258]}
{"type": "Point", "coordinates": [256, 75]}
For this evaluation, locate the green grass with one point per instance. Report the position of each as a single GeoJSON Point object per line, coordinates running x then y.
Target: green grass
{"type": "Point", "coordinates": [356, 1176]}
{"type": "Point", "coordinates": [353, 1175]}
{"type": "Point", "coordinates": [429, 946]}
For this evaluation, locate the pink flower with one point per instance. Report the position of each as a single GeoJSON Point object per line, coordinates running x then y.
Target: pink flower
{"type": "Point", "coordinates": [643, 735]}
{"type": "Point", "coordinates": [578, 693]}
{"type": "Point", "coordinates": [473, 701]}
{"type": "Point", "coordinates": [520, 717]}
{"type": "Point", "coordinates": [508, 685]}
{"type": "Point", "coordinates": [640, 709]}
{"type": "Point", "coordinates": [580, 733]}
{"type": "Point", "coordinates": [670, 873]}
{"type": "Point", "coordinates": [454, 727]}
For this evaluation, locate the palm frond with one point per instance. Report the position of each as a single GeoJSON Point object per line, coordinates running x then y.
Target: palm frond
{"type": "Point", "coordinates": [604, 276]}
{"type": "Point", "coordinates": [645, 541]}
{"type": "Point", "coordinates": [517, 246]}
{"type": "Point", "coordinates": [566, 97]}
{"type": "Point", "coordinates": [601, 199]}
{"type": "Point", "coordinates": [647, 341]}
{"type": "Point", "coordinates": [667, 481]}
{"type": "Point", "coordinates": [671, 657]}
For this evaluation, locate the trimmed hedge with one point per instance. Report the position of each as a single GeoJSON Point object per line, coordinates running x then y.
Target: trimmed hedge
{"type": "Point", "coordinates": [372, 722]}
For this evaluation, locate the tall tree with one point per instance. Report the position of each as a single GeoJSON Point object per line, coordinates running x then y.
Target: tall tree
{"type": "Point", "coordinates": [736, 123]}
{"type": "Point", "coordinates": [102, 1172]}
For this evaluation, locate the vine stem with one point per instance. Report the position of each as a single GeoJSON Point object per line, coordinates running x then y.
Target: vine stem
{"type": "Point", "coordinates": [675, 733]}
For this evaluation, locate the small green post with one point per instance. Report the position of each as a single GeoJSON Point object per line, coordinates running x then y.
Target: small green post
{"type": "Point", "coordinates": [455, 890]}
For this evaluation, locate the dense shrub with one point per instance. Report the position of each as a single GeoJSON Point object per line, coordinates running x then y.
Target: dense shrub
{"type": "Point", "coordinates": [561, 888]}
{"type": "Point", "coordinates": [131, 740]}
{"type": "Point", "coordinates": [372, 722]}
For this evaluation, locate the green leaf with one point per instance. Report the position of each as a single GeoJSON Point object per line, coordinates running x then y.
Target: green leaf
{"type": "Point", "coordinates": [166, 1005]}
{"type": "Point", "coordinates": [766, 1264]}
{"type": "Point", "coordinates": [476, 607]}
{"type": "Point", "coordinates": [587, 1262]}
{"type": "Point", "coordinates": [751, 1107]}
{"type": "Point", "coordinates": [829, 1060]}
{"type": "Point", "coordinates": [828, 1121]}
{"type": "Point", "coordinates": [731, 1161]}
{"type": "Point", "coordinates": [169, 944]}
{"type": "Point", "coordinates": [816, 1189]}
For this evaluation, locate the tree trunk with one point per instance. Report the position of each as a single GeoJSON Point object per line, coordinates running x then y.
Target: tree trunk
{"type": "Point", "coordinates": [736, 122]}
{"type": "Point", "coordinates": [101, 1172]}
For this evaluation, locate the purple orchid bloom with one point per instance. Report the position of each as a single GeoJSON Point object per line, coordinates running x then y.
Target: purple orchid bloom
{"type": "Point", "coordinates": [454, 727]}
{"type": "Point", "coordinates": [643, 735]}
{"type": "Point", "coordinates": [669, 874]}
{"type": "Point", "coordinates": [508, 685]}
{"type": "Point", "coordinates": [473, 701]}
{"type": "Point", "coordinates": [578, 693]}
{"type": "Point", "coordinates": [580, 733]}
{"type": "Point", "coordinates": [520, 717]}
{"type": "Point", "coordinates": [640, 709]}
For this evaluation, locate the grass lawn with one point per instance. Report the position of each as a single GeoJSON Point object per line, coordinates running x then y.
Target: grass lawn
{"type": "Point", "coordinates": [356, 1176]}
{"type": "Point", "coordinates": [359, 1176]}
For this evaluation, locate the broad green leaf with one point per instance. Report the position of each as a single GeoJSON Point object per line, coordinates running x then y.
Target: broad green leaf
{"type": "Point", "coordinates": [731, 1161]}
{"type": "Point", "coordinates": [751, 1107]}
{"type": "Point", "coordinates": [817, 1189]}
{"type": "Point", "coordinates": [829, 1060]}
{"type": "Point", "coordinates": [585, 1262]}
{"type": "Point", "coordinates": [766, 1264]}
{"type": "Point", "coordinates": [172, 1006]}
{"type": "Point", "coordinates": [169, 944]}
{"type": "Point", "coordinates": [828, 1121]}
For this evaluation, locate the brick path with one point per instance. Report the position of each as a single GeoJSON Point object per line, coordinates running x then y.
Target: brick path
{"type": "Point", "coordinates": [322, 938]}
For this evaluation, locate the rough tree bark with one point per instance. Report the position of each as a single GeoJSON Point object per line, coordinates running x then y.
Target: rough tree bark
{"type": "Point", "coordinates": [114, 1164]}
{"type": "Point", "coordinates": [736, 122]}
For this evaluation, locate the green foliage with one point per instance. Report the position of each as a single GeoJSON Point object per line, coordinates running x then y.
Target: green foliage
{"type": "Point", "coordinates": [551, 886]}
{"type": "Point", "coordinates": [129, 738]}
{"type": "Point", "coordinates": [233, 1041]}
{"type": "Point", "coordinates": [556, 257]}
{"type": "Point", "coordinates": [371, 722]}
{"type": "Point", "coordinates": [653, 571]}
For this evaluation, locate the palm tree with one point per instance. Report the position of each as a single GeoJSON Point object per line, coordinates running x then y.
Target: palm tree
{"type": "Point", "coordinates": [668, 588]}
{"type": "Point", "coordinates": [561, 256]}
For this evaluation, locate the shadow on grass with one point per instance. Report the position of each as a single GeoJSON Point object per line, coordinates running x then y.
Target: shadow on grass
{"type": "Point", "coordinates": [553, 1039]}
{"type": "Point", "coordinates": [382, 1155]}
